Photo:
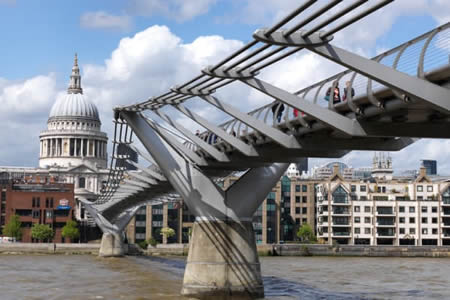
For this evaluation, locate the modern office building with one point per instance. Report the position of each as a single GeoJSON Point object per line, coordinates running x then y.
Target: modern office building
{"type": "Point", "coordinates": [430, 166]}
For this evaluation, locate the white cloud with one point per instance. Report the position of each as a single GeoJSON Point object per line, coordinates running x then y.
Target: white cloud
{"type": "Point", "coordinates": [103, 20]}
{"type": "Point", "coordinates": [180, 10]}
{"type": "Point", "coordinates": [148, 64]}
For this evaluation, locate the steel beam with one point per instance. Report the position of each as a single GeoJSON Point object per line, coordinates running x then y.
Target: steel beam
{"type": "Point", "coordinates": [220, 156]}
{"type": "Point", "coordinates": [331, 118]}
{"type": "Point", "coordinates": [276, 135]}
{"type": "Point", "coordinates": [436, 96]}
{"type": "Point", "coordinates": [233, 141]}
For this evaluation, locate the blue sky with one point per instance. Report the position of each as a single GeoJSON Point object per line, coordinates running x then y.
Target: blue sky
{"type": "Point", "coordinates": [39, 39]}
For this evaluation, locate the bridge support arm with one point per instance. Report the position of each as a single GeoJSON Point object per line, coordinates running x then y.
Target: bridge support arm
{"type": "Point", "coordinates": [222, 257]}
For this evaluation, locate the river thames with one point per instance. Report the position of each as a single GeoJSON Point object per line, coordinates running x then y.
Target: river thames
{"type": "Point", "coordinates": [89, 277]}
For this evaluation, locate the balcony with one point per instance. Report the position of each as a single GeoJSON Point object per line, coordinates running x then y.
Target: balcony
{"type": "Point", "coordinates": [385, 235]}
{"type": "Point", "coordinates": [385, 213]}
{"type": "Point", "coordinates": [341, 224]}
{"type": "Point", "coordinates": [385, 224]}
{"type": "Point", "coordinates": [341, 212]}
{"type": "Point", "coordinates": [342, 233]}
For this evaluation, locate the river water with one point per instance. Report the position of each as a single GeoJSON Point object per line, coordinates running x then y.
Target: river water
{"type": "Point", "coordinates": [89, 277]}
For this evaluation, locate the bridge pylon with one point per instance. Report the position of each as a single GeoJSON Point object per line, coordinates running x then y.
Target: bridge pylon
{"type": "Point", "coordinates": [222, 259]}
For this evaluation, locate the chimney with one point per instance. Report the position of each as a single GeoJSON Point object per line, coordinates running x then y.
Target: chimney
{"type": "Point", "coordinates": [422, 171]}
{"type": "Point", "coordinates": [335, 169]}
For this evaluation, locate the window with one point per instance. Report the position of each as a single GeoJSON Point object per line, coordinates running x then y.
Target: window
{"type": "Point", "coordinates": [420, 188]}
{"type": "Point", "coordinates": [353, 188]}
{"type": "Point", "coordinates": [357, 220]}
{"type": "Point", "coordinates": [367, 220]}
{"type": "Point", "coordinates": [412, 231]}
{"type": "Point", "coordinates": [36, 214]}
{"type": "Point", "coordinates": [297, 210]}
{"type": "Point", "coordinates": [38, 202]}
{"type": "Point", "coordinates": [412, 220]}
{"type": "Point", "coordinates": [357, 209]}
{"type": "Point", "coordinates": [82, 182]}
{"type": "Point", "coordinates": [51, 202]}
{"type": "Point", "coordinates": [304, 210]}
{"type": "Point", "coordinates": [424, 230]}
{"type": "Point", "coordinates": [354, 197]}
{"type": "Point", "coordinates": [304, 220]}
{"type": "Point", "coordinates": [297, 221]}
{"type": "Point", "coordinates": [362, 188]}
{"type": "Point", "coordinates": [412, 209]}
{"type": "Point", "coordinates": [367, 209]}
{"type": "Point", "coordinates": [304, 199]}
{"type": "Point", "coordinates": [401, 220]}
{"type": "Point", "coordinates": [434, 231]}
{"type": "Point", "coordinates": [424, 220]}
{"type": "Point", "coordinates": [434, 209]}
{"type": "Point", "coordinates": [402, 230]}
{"type": "Point", "coordinates": [297, 199]}
{"type": "Point", "coordinates": [434, 220]}
{"type": "Point", "coordinates": [363, 198]}
{"type": "Point", "coordinates": [420, 198]}
{"type": "Point", "coordinates": [367, 230]}
{"type": "Point", "coordinates": [33, 202]}
{"type": "Point", "coordinates": [357, 230]}
{"type": "Point", "coordinates": [429, 188]}
{"type": "Point", "coordinates": [424, 209]}
{"type": "Point", "coordinates": [47, 202]}
{"type": "Point", "coordinates": [401, 209]}
{"type": "Point", "coordinates": [297, 188]}
{"type": "Point", "coordinates": [304, 188]}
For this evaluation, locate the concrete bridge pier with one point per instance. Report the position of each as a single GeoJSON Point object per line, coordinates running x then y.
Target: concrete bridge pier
{"type": "Point", "coordinates": [222, 260]}
{"type": "Point", "coordinates": [112, 245]}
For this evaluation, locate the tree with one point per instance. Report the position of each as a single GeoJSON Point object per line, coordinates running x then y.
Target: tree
{"type": "Point", "coordinates": [306, 234]}
{"type": "Point", "coordinates": [167, 232]}
{"type": "Point", "coordinates": [13, 227]}
{"type": "Point", "coordinates": [41, 232]}
{"type": "Point", "coordinates": [70, 230]}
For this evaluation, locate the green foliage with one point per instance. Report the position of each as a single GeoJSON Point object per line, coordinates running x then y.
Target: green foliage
{"type": "Point", "coordinates": [167, 232]}
{"type": "Point", "coordinates": [12, 228]}
{"type": "Point", "coordinates": [41, 232]}
{"type": "Point", "coordinates": [152, 242]}
{"type": "Point", "coordinates": [143, 244]}
{"type": "Point", "coordinates": [306, 234]}
{"type": "Point", "coordinates": [70, 230]}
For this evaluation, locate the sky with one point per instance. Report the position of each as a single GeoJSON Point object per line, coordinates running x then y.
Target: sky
{"type": "Point", "coordinates": [130, 50]}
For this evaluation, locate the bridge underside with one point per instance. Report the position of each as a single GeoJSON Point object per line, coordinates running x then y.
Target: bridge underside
{"type": "Point", "coordinates": [222, 258]}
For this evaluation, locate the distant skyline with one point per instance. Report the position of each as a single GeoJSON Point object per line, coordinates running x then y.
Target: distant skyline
{"type": "Point", "coordinates": [131, 50]}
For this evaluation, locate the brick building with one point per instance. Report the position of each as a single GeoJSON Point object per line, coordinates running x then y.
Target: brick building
{"type": "Point", "coordinates": [41, 203]}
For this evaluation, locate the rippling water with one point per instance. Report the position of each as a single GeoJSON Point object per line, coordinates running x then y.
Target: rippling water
{"type": "Point", "coordinates": [88, 277]}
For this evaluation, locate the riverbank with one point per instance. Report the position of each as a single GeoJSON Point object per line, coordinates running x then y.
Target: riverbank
{"type": "Point", "coordinates": [48, 248]}
{"type": "Point", "coordinates": [320, 250]}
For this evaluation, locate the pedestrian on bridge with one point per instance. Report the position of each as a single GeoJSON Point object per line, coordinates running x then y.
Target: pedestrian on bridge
{"type": "Point", "coordinates": [336, 93]}
{"type": "Point", "coordinates": [278, 108]}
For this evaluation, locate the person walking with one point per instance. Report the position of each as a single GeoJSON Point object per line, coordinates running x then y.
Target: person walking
{"type": "Point", "coordinates": [347, 86]}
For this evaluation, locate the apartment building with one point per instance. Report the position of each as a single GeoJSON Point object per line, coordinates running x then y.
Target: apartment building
{"type": "Point", "coordinates": [384, 210]}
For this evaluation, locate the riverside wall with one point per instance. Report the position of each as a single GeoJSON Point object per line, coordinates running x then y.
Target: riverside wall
{"type": "Point", "coordinates": [321, 250]}
{"type": "Point", "coordinates": [48, 248]}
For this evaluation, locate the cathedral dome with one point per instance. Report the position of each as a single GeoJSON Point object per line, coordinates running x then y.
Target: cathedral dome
{"type": "Point", "coordinates": [74, 104]}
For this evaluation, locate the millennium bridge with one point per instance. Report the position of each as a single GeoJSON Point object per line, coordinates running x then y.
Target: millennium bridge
{"type": "Point", "coordinates": [391, 101]}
